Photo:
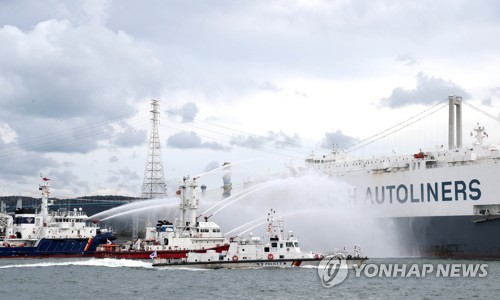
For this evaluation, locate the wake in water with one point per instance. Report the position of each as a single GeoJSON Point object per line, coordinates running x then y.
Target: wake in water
{"type": "Point", "coordinates": [106, 262]}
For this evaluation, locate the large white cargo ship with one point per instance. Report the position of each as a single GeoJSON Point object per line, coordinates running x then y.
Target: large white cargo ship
{"type": "Point", "coordinates": [446, 201]}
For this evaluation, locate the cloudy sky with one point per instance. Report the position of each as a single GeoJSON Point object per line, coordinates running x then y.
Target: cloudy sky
{"type": "Point", "coordinates": [261, 84]}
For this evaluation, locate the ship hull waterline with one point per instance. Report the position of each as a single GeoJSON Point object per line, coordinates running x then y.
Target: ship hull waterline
{"type": "Point", "coordinates": [56, 248]}
{"type": "Point", "coordinates": [456, 237]}
{"type": "Point", "coordinates": [166, 254]}
{"type": "Point", "coordinates": [240, 264]}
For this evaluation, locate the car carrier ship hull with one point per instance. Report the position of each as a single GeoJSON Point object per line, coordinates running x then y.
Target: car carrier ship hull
{"type": "Point", "coordinates": [443, 203]}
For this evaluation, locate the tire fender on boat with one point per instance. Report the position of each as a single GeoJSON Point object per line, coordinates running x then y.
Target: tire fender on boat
{"type": "Point", "coordinates": [270, 256]}
{"type": "Point", "coordinates": [235, 258]}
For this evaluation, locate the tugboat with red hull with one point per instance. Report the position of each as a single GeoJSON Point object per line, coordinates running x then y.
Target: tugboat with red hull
{"type": "Point", "coordinates": [173, 240]}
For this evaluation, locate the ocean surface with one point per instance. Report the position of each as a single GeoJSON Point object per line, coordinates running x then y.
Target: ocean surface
{"type": "Point", "coordinates": [131, 279]}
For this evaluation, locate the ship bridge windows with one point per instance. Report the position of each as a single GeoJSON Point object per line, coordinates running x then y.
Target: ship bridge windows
{"type": "Point", "coordinates": [24, 220]}
{"type": "Point", "coordinates": [274, 245]}
{"type": "Point", "coordinates": [289, 244]}
{"type": "Point", "coordinates": [296, 244]}
{"type": "Point", "coordinates": [431, 164]}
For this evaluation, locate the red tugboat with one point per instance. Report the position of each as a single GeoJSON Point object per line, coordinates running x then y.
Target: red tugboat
{"type": "Point", "coordinates": [172, 241]}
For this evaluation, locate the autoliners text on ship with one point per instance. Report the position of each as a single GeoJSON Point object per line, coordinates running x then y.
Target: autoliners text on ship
{"type": "Point", "coordinates": [423, 192]}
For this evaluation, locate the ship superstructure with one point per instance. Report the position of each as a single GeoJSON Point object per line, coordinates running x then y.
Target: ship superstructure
{"type": "Point", "coordinates": [30, 232]}
{"type": "Point", "coordinates": [173, 239]}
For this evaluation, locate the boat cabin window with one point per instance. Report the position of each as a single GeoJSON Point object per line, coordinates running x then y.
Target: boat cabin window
{"type": "Point", "coordinates": [266, 249]}
{"type": "Point", "coordinates": [274, 245]}
{"type": "Point", "coordinates": [296, 244]}
{"type": "Point", "coordinates": [281, 245]}
{"type": "Point", "coordinates": [289, 244]}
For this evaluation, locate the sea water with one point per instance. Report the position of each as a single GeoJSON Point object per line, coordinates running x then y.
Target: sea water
{"type": "Point", "coordinates": [133, 279]}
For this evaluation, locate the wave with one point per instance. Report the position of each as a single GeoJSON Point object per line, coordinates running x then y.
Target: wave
{"type": "Point", "coordinates": [105, 262]}
{"type": "Point", "coordinates": [309, 267]}
{"type": "Point", "coordinates": [182, 268]}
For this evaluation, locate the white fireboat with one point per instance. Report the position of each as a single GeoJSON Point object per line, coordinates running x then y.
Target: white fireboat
{"type": "Point", "coordinates": [276, 251]}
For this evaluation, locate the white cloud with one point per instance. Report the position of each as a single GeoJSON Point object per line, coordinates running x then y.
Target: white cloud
{"type": "Point", "coordinates": [429, 90]}
{"type": "Point", "coordinates": [7, 135]}
{"type": "Point", "coordinates": [187, 112]}
{"type": "Point", "coordinates": [339, 139]}
{"type": "Point", "coordinates": [191, 140]}
{"type": "Point", "coordinates": [76, 78]}
{"type": "Point", "coordinates": [276, 139]}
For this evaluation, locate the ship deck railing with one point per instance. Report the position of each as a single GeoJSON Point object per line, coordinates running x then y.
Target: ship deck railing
{"type": "Point", "coordinates": [69, 214]}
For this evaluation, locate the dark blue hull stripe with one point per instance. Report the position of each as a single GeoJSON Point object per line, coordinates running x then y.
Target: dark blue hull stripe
{"type": "Point", "coordinates": [56, 247]}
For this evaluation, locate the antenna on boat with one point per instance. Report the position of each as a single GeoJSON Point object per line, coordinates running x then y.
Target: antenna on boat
{"type": "Point", "coordinates": [45, 188]}
{"type": "Point", "coordinates": [207, 217]}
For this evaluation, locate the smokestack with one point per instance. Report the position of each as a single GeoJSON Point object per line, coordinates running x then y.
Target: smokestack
{"type": "Point", "coordinates": [226, 179]}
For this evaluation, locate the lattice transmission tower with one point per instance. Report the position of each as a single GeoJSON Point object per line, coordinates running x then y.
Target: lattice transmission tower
{"type": "Point", "coordinates": [154, 185]}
